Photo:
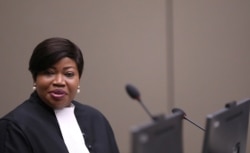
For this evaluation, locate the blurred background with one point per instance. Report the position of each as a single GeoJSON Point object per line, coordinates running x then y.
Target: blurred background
{"type": "Point", "coordinates": [189, 54]}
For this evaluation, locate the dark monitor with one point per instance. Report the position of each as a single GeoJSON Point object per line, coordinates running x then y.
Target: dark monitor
{"type": "Point", "coordinates": [161, 136]}
{"type": "Point", "coordinates": [226, 130]}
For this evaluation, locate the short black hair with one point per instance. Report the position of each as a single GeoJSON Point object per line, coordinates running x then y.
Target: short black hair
{"type": "Point", "coordinates": [50, 51]}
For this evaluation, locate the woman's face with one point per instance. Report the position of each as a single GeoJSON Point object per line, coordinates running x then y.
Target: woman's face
{"type": "Point", "coordinates": [57, 86]}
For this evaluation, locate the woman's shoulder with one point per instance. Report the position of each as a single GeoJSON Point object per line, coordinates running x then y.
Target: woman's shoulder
{"type": "Point", "coordinates": [16, 116]}
{"type": "Point", "coordinates": [18, 110]}
{"type": "Point", "coordinates": [27, 111]}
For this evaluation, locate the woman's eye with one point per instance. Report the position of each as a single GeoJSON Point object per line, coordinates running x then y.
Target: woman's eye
{"type": "Point", "coordinates": [48, 72]}
{"type": "Point", "coordinates": [69, 74]}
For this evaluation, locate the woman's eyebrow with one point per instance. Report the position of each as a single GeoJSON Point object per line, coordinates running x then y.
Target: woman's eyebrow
{"type": "Point", "coordinates": [69, 67]}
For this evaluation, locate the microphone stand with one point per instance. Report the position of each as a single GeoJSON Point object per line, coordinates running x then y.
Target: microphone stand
{"type": "Point", "coordinates": [194, 123]}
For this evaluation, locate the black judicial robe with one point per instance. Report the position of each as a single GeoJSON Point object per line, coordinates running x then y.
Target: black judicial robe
{"type": "Point", "coordinates": [32, 128]}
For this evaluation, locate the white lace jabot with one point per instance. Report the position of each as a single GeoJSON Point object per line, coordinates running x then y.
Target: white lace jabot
{"type": "Point", "coordinates": [70, 130]}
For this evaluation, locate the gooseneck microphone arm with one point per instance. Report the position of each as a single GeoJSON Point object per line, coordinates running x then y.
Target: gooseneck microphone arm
{"type": "Point", "coordinates": [147, 111]}
{"type": "Point", "coordinates": [184, 117]}
{"type": "Point", "coordinates": [135, 94]}
{"type": "Point", "coordinates": [194, 124]}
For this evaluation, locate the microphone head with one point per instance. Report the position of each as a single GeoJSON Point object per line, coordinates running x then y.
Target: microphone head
{"type": "Point", "coordinates": [132, 92]}
{"type": "Point", "coordinates": [179, 110]}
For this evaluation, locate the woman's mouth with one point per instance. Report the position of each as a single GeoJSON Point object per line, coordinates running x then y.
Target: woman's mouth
{"type": "Point", "coordinates": [57, 94]}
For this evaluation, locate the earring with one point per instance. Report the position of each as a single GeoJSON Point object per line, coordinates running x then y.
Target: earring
{"type": "Point", "coordinates": [78, 89]}
{"type": "Point", "coordinates": [34, 86]}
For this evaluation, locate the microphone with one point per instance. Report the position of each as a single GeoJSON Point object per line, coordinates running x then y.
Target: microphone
{"type": "Point", "coordinates": [184, 117]}
{"type": "Point", "coordinates": [135, 94]}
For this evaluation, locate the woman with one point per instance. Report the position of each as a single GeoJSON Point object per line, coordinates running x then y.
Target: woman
{"type": "Point", "coordinates": [51, 121]}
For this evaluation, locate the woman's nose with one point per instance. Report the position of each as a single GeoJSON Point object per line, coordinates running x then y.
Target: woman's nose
{"type": "Point", "coordinates": [59, 80]}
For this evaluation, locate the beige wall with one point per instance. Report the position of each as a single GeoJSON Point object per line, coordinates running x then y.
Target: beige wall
{"type": "Point", "coordinates": [211, 59]}
{"type": "Point", "coordinates": [122, 41]}
{"type": "Point", "coordinates": [200, 68]}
